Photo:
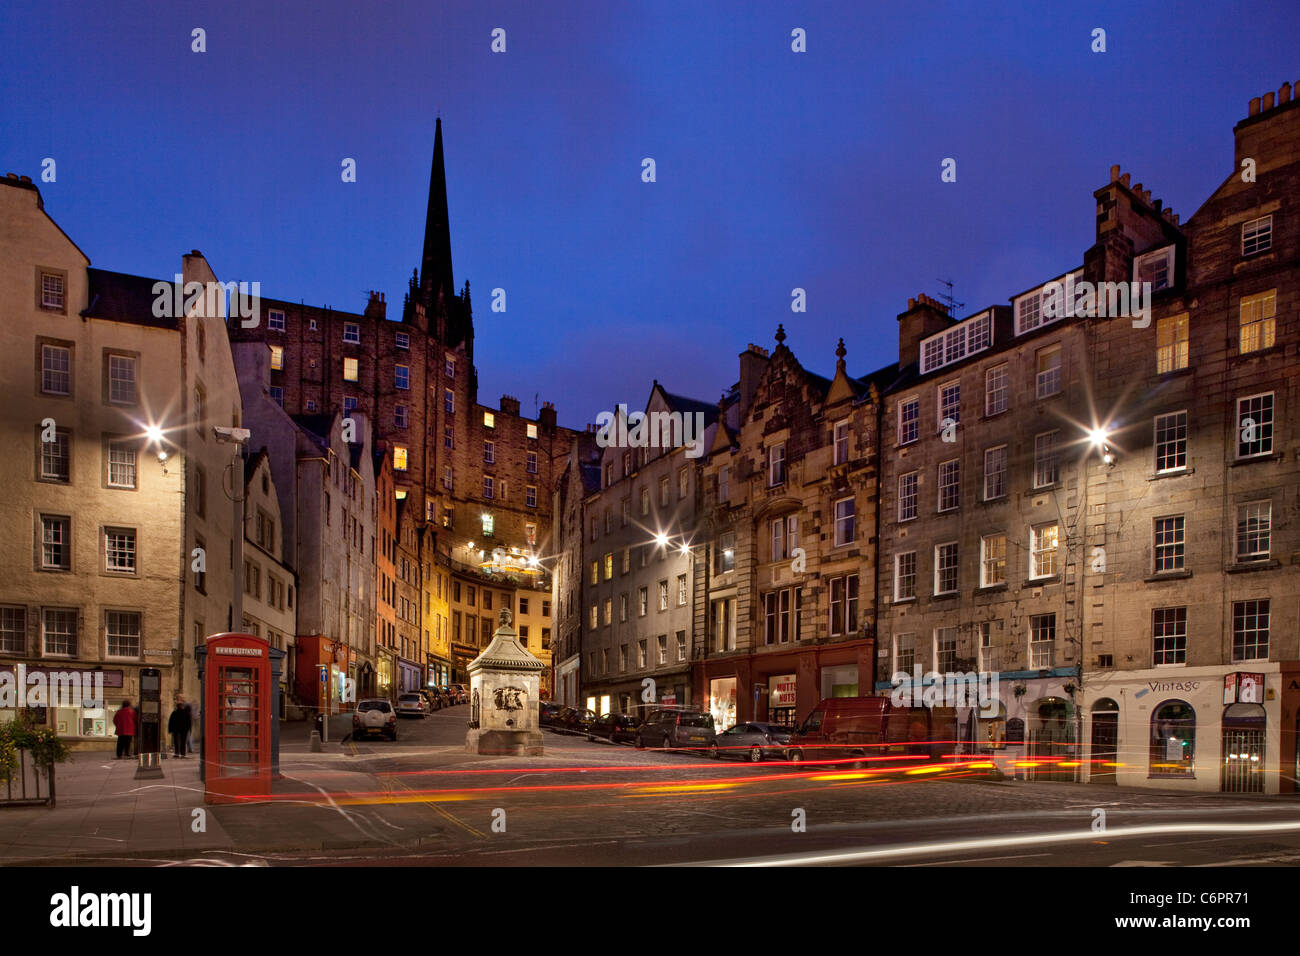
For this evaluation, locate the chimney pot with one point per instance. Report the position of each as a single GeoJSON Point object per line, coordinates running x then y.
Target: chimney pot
{"type": "Point", "coordinates": [26, 179]}
{"type": "Point", "coordinates": [1114, 173]}
{"type": "Point", "coordinates": [11, 175]}
{"type": "Point", "coordinates": [1268, 102]}
{"type": "Point", "coordinates": [1123, 180]}
{"type": "Point", "coordinates": [1158, 204]}
{"type": "Point", "coordinates": [1284, 94]}
{"type": "Point", "coordinates": [1175, 219]}
{"type": "Point", "coordinates": [1254, 105]}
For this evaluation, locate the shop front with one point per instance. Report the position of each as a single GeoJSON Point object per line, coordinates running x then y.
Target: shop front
{"type": "Point", "coordinates": [1207, 729]}
{"type": "Point", "coordinates": [782, 686]}
{"type": "Point", "coordinates": [461, 655]}
{"type": "Point", "coordinates": [77, 703]}
{"type": "Point", "coordinates": [408, 673]}
{"type": "Point", "coordinates": [385, 676]}
{"type": "Point", "coordinates": [438, 671]}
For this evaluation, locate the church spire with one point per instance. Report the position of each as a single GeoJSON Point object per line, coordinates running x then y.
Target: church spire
{"type": "Point", "coordinates": [435, 267]}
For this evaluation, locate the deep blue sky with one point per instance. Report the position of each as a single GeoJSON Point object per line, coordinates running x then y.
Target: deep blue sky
{"type": "Point", "coordinates": [775, 169]}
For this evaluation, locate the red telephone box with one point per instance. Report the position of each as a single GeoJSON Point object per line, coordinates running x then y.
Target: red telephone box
{"type": "Point", "coordinates": [237, 717]}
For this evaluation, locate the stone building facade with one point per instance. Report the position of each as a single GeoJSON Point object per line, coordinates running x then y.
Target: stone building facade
{"type": "Point", "coordinates": [786, 611]}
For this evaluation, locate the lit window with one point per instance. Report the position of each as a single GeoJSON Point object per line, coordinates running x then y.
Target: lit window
{"type": "Point", "coordinates": [1171, 343]}
{"type": "Point", "coordinates": [993, 560]}
{"type": "Point", "coordinates": [532, 430]}
{"type": "Point", "coordinates": [399, 458]}
{"type": "Point", "coordinates": [1043, 543]}
{"type": "Point", "coordinates": [489, 420]}
{"type": "Point", "coordinates": [1258, 321]}
{"type": "Point", "coordinates": [489, 524]}
{"type": "Point", "coordinates": [350, 368]}
{"type": "Point", "coordinates": [277, 358]}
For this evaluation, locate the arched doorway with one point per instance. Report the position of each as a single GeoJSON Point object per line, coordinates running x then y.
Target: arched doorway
{"type": "Point", "coordinates": [1244, 729]}
{"type": "Point", "coordinates": [1105, 741]}
{"type": "Point", "coordinates": [1051, 739]}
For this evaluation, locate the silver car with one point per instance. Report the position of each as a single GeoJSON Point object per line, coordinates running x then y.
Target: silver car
{"type": "Point", "coordinates": [412, 705]}
{"type": "Point", "coordinates": [751, 741]}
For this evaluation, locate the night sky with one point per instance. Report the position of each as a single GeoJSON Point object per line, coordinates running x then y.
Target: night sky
{"type": "Point", "coordinates": [775, 169]}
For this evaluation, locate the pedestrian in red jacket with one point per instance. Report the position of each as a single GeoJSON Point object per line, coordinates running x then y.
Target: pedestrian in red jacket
{"type": "Point", "coordinates": [124, 724]}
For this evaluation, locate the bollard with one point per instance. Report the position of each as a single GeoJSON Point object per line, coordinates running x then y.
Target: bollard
{"type": "Point", "coordinates": [315, 742]}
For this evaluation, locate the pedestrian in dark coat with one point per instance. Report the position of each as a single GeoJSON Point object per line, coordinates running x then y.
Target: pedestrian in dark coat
{"type": "Point", "coordinates": [178, 725]}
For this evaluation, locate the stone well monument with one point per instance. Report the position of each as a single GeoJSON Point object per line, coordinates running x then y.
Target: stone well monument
{"type": "Point", "coordinates": [504, 690]}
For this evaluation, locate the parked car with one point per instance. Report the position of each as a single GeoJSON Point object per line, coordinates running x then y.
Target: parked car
{"type": "Point", "coordinates": [458, 693]}
{"type": "Point", "coordinates": [871, 729]}
{"type": "Point", "coordinates": [751, 741]}
{"type": "Point", "coordinates": [676, 730]}
{"type": "Point", "coordinates": [573, 720]}
{"type": "Point", "coordinates": [546, 711]}
{"type": "Point", "coordinates": [374, 715]}
{"type": "Point", "coordinates": [412, 704]}
{"type": "Point", "coordinates": [614, 727]}
{"type": "Point", "coordinates": [431, 698]}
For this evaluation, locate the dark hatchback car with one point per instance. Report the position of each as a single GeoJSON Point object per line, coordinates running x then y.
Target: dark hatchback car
{"type": "Point", "coordinates": [572, 720]}
{"type": "Point", "coordinates": [751, 741]}
{"type": "Point", "coordinates": [676, 730]}
{"type": "Point", "coordinates": [615, 728]}
{"type": "Point", "coordinates": [546, 711]}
